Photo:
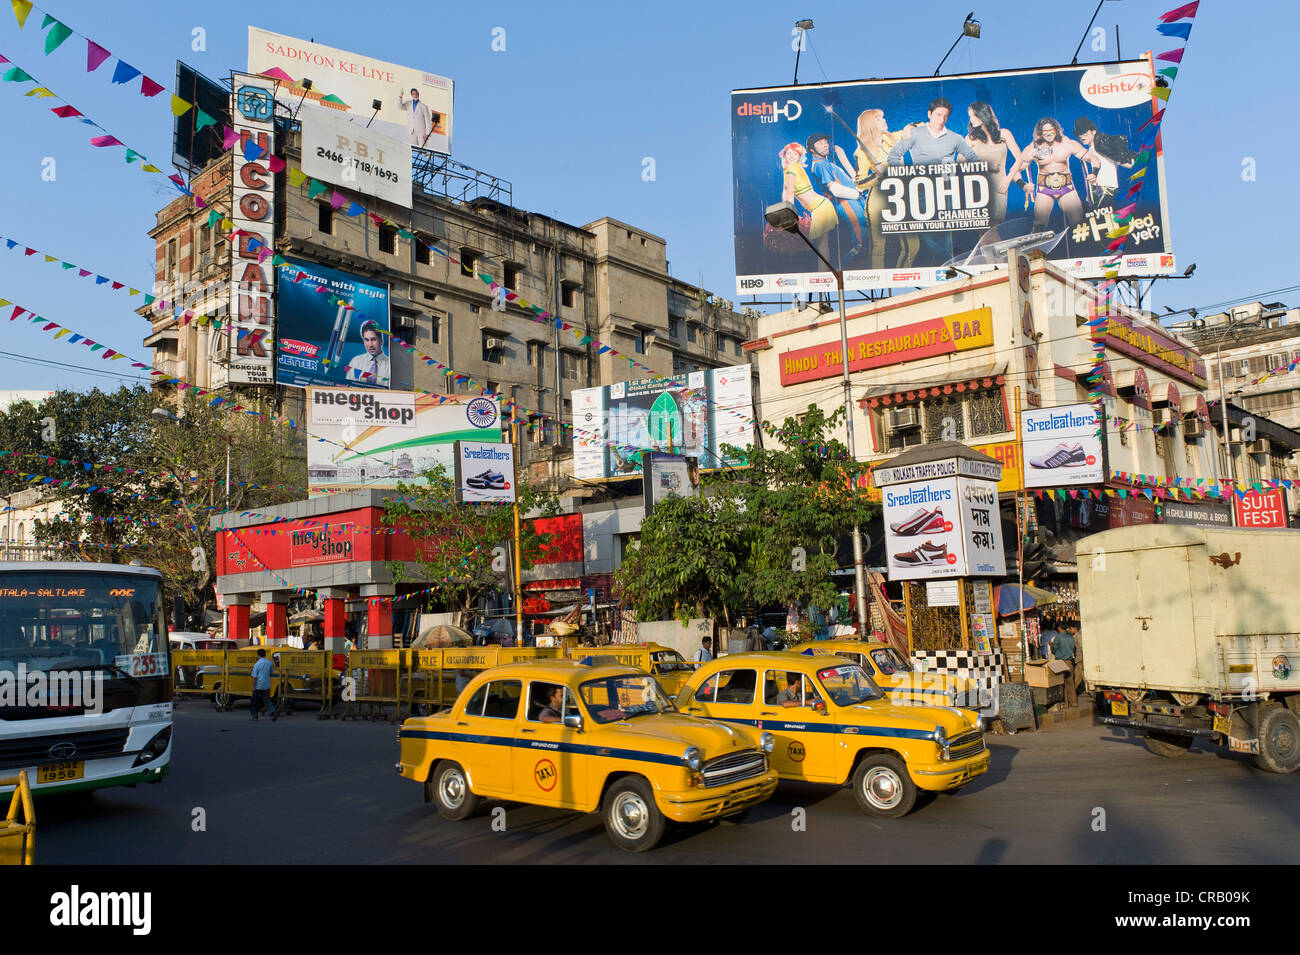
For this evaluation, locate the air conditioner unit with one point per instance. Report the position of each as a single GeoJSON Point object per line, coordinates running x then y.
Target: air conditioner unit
{"type": "Point", "coordinates": [1193, 428]}
{"type": "Point", "coordinates": [1159, 417]}
{"type": "Point", "coordinates": [903, 419]}
{"type": "Point", "coordinates": [1261, 446]}
{"type": "Point", "coordinates": [492, 344]}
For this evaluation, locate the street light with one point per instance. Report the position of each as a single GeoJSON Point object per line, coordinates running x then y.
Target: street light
{"type": "Point", "coordinates": [782, 216]}
{"type": "Point", "coordinates": [803, 26]}
{"type": "Point", "coordinates": [970, 28]}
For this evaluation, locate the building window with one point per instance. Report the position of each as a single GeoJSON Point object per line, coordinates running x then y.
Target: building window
{"type": "Point", "coordinates": [640, 345]}
{"type": "Point", "coordinates": [568, 294]}
{"type": "Point", "coordinates": [736, 343]}
{"type": "Point", "coordinates": [987, 415]}
{"type": "Point", "coordinates": [944, 420]}
{"type": "Point", "coordinates": [421, 252]}
{"type": "Point", "coordinates": [722, 343]}
{"type": "Point", "coordinates": [492, 348]}
{"type": "Point", "coordinates": [171, 262]}
{"type": "Point", "coordinates": [690, 332]}
{"type": "Point", "coordinates": [675, 328]}
{"type": "Point", "coordinates": [536, 429]}
{"type": "Point", "coordinates": [569, 365]}
{"type": "Point", "coordinates": [897, 434]}
{"type": "Point", "coordinates": [510, 276]}
{"type": "Point", "coordinates": [325, 218]}
{"type": "Point", "coordinates": [388, 239]}
{"type": "Point", "coordinates": [434, 329]}
{"type": "Point", "coordinates": [205, 246]}
{"type": "Point", "coordinates": [468, 262]}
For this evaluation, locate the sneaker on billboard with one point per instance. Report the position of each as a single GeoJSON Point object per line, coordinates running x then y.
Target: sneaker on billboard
{"type": "Point", "coordinates": [1061, 456]}
{"type": "Point", "coordinates": [921, 522]}
{"type": "Point", "coordinates": [488, 480]}
{"type": "Point", "coordinates": [927, 553]}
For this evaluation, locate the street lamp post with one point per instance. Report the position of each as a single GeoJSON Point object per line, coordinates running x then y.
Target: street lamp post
{"type": "Point", "coordinates": [783, 216]}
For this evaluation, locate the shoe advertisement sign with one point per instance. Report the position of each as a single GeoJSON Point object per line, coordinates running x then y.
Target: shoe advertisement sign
{"type": "Point", "coordinates": [1061, 447]}
{"type": "Point", "coordinates": [923, 537]}
{"type": "Point", "coordinates": [485, 472]}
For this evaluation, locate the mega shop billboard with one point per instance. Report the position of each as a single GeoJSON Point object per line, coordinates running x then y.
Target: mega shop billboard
{"type": "Point", "coordinates": [895, 180]}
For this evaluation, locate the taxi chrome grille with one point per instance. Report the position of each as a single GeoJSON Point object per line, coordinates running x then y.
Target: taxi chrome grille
{"type": "Point", "coordinates": [734, 767]}
{"type": "Point", "coordinates": [966, 745]}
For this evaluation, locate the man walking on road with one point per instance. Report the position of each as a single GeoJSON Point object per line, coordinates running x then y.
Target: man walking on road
{"type": "Point", "coordinates": [262, 687]}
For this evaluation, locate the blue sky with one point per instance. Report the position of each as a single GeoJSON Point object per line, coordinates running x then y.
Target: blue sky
{"type": "Point", "coordinates": [583, 94]}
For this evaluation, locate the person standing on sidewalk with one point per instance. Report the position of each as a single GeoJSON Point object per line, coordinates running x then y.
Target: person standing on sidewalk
{"type": "Point", "coordinates": [262, 687]}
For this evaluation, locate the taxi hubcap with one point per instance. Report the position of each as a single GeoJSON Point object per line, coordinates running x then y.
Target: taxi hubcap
{"type": "Point", "coordinates": [452, 789]}
{"type": "Point", "coordinates": [631, 815]}
{"type": "Point", "coordinates": [883, 788]}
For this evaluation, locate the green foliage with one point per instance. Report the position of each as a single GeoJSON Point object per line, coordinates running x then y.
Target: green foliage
{"type": "Point", "coordinates": [167, 478]}
{"type": "Point", "coordinates": [454, 542]}
{"type": "Point", "coordinates": [735, 546]}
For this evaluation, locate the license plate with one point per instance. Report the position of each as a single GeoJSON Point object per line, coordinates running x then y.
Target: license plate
{"type": "Point", "coordinates": [1243, 745]}
{"type": "Point", "coordinates": [1118, 708]}
{"type": "Point", "coordinates": [1222, 723]}
{"type": "Point", "coordinates": [60, 772]}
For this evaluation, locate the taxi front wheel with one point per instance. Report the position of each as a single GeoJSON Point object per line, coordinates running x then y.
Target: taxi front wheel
{"type": "Point", "coordinates": [883, 788]}
{"type": "Point", "coordinates": [632, 819]}
{"type": "Point", "coordinates": [451, 793]}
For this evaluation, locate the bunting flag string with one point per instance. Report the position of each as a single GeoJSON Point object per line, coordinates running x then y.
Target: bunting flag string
{"type": "Point", "coordinates": [67, 111]}
{"type": "Point", "coordinates": [67, 266]}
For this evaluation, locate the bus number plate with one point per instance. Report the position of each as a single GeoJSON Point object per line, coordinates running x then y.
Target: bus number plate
{"type": "Point", "coordinates": [61, 772]}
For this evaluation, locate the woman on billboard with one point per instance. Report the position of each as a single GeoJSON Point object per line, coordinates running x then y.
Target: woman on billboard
{"type": "Point", "coordinates": [797, 186]}
{"type": "Point", "coordinates": [1051, 150]}
{"type": "Point", "coordinates": [992, 143]}
{"type": "Point", "coordinates": [874, 143]}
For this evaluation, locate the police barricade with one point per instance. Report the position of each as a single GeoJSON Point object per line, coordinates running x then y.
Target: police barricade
{"type": "Point", "coordinates": [371, 682]}
{"type": "Point", "coordinates": [433, 678]}
{"type": "Point", "coordinates": [197, 672]}
{"type": "Point", "coordinates": [235, 681]}
{"type": "Point", "coordinates": [306, 676]}
{"type": "Point", "coordinates": [18, 827]}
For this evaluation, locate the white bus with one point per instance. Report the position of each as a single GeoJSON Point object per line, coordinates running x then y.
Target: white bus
{"type": "Point", "coordinates": [85, 676]}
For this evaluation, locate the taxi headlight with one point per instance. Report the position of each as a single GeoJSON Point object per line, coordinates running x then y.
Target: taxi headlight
{"type": "Point", "coordinates": [767, 742]}
{"type": "Point", "coordinates": [692, 759]}
{"type": "Point", "coordinates": [941, 738]}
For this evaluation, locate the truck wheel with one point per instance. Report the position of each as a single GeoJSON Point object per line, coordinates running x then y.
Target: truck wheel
{"type": "Point", "coordinates": [632, 820]}
{"type": "Point", "coordinates": [450, 792]}
{"type": "Point", "coordinates": [1168, 744]}
{"type": "Point", "coordinates": [1279, 741]}
{"type": "Point", "coordinates": [883, 788]}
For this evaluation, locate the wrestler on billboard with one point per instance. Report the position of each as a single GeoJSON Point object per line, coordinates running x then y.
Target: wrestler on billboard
{"type": "Point", "coordinates": [836, 183]}
{"type": "Point", "coordinates": [1106, 153]}
{"type": "Point", "coordinates": [797, 187]}
{"type": "Point", "coordinates": [1051, 151]}
{"type": "Point", "coordinates": [991, 143]}
{"type": "Point", "coordinates": [874, 143]}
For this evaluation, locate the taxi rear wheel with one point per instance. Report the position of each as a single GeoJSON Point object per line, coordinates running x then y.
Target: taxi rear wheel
{"type": "Point", "coordinates": [450, 792]}
{"type": "Point", "coordinates": [632, 820]}
{"type": "Point", "coordinates": [883, 788]}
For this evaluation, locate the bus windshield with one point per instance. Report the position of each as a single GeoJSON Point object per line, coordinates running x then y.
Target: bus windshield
{"type": "Point", "coordinates": [68, 619]}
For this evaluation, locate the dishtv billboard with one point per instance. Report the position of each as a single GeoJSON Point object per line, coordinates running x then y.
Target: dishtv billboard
{"type": "Point", "coordinates": [895, 180]}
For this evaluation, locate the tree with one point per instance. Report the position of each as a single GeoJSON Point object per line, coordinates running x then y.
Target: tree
{"type": "Point", "coordinates": [760, 535]}
{"type": "Point", "coordinates": [132, 484]}
{"type": "Point", "coordinates": [454, 542]}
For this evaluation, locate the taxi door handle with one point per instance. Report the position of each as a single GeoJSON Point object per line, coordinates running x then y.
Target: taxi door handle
{"type": "Point", "coordinates": [462, 724]}
{"type": "Point", "coordinates": [526, 730]}
{"type": "Point", "coordinates": [766, 713]}
{"type": "Point", "coordinates": [694, 709]}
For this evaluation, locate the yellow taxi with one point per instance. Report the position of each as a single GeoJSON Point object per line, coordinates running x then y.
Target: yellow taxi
{"type": "Point", "coordinates": [664, 663]}
{"type": "Point", "coordinates": [834, 725]}
{"type": "Point", "coordinates": [587, 738]}
{"type": "Point", "coordinates": [895, 675]}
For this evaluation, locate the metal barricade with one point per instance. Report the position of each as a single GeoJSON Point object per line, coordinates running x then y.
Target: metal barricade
{"type": "Point", "coordinates": [18, 828]}
{"type": "Point", "coordinates": [197, 672]}
{"type": "Point", "coordinates": [307, 676]}
{"type": "Point", "coordinates": [372, 680]}
{"type": "Point", "coordinates": [428, 685]}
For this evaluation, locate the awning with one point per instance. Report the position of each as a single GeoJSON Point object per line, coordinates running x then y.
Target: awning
{"type": "Point", "coordinates": [981, 377]}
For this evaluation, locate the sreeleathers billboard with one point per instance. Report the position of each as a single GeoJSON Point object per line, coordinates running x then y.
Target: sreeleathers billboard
{"type": "Point", "coordinates": [361, 438]}
{"type": "Point", "coordinates": [347, 83]}
{"type": "Point", "coordinates": [334, 328]}
{"type": "Point", "coordinates": [1061, 447]}
{"type": "Point", "coordinates": [693, 415]}
{"type": "Point", "coordinates": [894, 191]}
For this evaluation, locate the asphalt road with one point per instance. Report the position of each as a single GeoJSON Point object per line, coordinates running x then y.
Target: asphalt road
{"type": "Point", "coordinates": [302, 790]}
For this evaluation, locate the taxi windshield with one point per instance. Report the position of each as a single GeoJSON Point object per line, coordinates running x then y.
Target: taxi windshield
{"type": "Point", "coordinates": [669, 661]}
{"type": "Point", "coordinates": [620, 697]}
{"type": "Point", "coordinates": [889, 662]}
{"type": "Point", "coordinates": [848, 684]}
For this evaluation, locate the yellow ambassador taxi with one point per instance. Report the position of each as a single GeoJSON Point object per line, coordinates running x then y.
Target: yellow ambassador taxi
{"type": "Point", "coordinates": [665, 663]}
{"type": "Point", "coordinates": [560, 733]}
{"type": "Point", "coordinates": [903, 684]}
{"type": "Point", "coordinates": [834, 725]}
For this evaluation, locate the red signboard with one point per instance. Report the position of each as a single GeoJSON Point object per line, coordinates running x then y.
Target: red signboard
{"type": "Point", "coordinates": [1254, 509]}
{"type": "Point", "coordinates": [937, 336]}
{"type": "Point", "coordinates": [566, 539]}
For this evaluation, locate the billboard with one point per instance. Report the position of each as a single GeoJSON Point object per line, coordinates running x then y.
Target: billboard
{"type": "Point", "coordinates": [485, 472]}
{"type": "Point", "coordinates": [667, 475]}
{"type": "Point", "coordinates": [252, 277]}
{"type": "Point", "coordinates": [414, 106]}
{"type": "Point", "coordinates": [1260, 509]}
{"type": "Point", "coordinates": [334, 328]}
{"type": "Point", "coordinates": [361, 438]}
{"type": "Point", "coordinates": [1061, 447]}
{"type": "Point", "coordinates": [365, 160]}
{"type": "Point", "coordinates": [923, 541]}
{"type": "Point", "coordinates": [893, 191]}
{"type": "Point", "coordinates": [693, 415]}
{"type": "Point", "coordinates": [194, 148]}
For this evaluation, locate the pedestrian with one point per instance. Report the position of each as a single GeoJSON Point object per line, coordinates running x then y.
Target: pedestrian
{"type": "Point", "coordinates": [1063, 645]}
{"type": "Point", "coordinates": [1045, 638]}
{"type": "Point", "coordinates": [262, 687]}
{"type": "Point", "coordinates": [705, 653]}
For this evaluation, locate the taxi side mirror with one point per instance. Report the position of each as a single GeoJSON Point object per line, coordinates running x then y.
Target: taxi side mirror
{"type": "Point", "coordinates": [819, 706]}
{"type": "Point", "coordinates": [574, 722]}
